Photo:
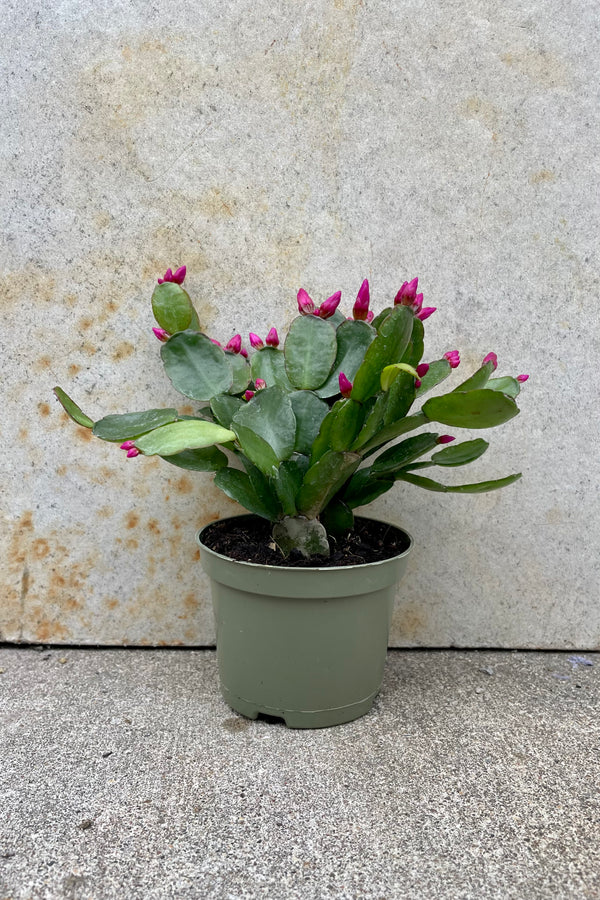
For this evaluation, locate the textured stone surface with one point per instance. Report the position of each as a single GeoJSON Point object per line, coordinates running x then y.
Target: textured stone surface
{"type": "Point", "coordinates": [269, 146]}
{"type": "Point", "coordinates": [125, 775]}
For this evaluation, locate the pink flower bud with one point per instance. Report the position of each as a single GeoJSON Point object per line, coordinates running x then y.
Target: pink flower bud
{"type": "Point", "coordinates": [329, 306]}
{"type": "Point", "coordinates": [235, 344]}
{"type": "Point", "coordinates": [248, 395]}
{"type": "Point", "coordinates": [453, 358]}
{"type": "Point", "coordinates": [215, 342]}
{"type": "Point", "coordinates": [177, 278]}
{"type": "Point", "coordinates": [522, 378]}
{"type": "Point", "coordinates": [360, 309]}
{"type": "Point", "coordinates": [244, 353]}
{"type": "Point", "coordinates": [345, 385]}
{"type": "Point", "coordinates": [418, 382]}
{"type": "Point", "coordinates": [127, 445]}
{"type": "Point", "coordinates": [370, 317]}
{"type": "Point", "coordinates": [260, 384]}
{"type": "Point", "coordinates": [445, 439]}
{"type": "Point", "coordinates": [133, 452]}
{"type": "Point", "coordinates": [422, 369]}
{"type": "Point", "coordinates": [255, 341]}
{"type": "Point", "coordinates": [305, 304]}
{"type": "Point", "coordinates": [272, 338]}
{"type": "Point", "coordinates": [418, 302]}
{"type": "Point", "coordinates": [491, 357]}
{"type": "Point", "coordinates": [161, 334]}
{"type": "Point", "coordinates": [407, 294]}
{"type": "Point", "coordinates": [426, 312]}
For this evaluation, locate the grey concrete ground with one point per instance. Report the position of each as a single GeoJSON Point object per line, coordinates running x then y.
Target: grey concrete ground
{"type": "Point", "coordinates": [124, 775]}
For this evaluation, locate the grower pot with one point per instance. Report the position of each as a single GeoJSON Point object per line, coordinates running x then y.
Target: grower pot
{"type": "Point", "coordinates": [305, 644]}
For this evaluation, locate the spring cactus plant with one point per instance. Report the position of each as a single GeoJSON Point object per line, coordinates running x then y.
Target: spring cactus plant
{"type": "Point", "coordinates": [303, 433]}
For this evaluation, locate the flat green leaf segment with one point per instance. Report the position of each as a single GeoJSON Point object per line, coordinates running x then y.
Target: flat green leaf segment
{"type": "Point", "coordinates": [460, 454]}
{"type": "Point", "coordinates": [186, 435]}
{"type": "Point", "coordinates": [471, 409]}
{"type": "Point", "coordinates": [353, 340]}
{"type": "Point", "coordinates": [438, 371]}
{"type": "Point", "coordinates": [239, 487]}
{"type": "Point", "coordinates": [364, 487]}
{"type": "Point", "coordinates": [172, 307]}
{"type": "Point", "coordinates": [481, 487]}
{"type": "Point", "coordinates": [241, 372]}
{"type": "Point", "coordinates": [208, 459]}
{"type": "Point", "coordinates": [71, 408]}
{"type": "Point", "coordinates": [393, 459]}
{"type": "Point", "coordinates": [266, 428]}
{"type": "Point", "coordinates": [387, 348]}
{"type": "Point", "coordinates": [196, 367]}
{"type": "Point", "coordinates": [478, 380]}
{"type": "Point", "coordinates": [323, 480]}
{"type": "Point", "coordinates": [128, 426]}
{"type": "Point", "coordinates": [269, 364]}
{"type": "Point", "coordinates": [298, 533]}
{"type": "Point", "coordinates": [507, 385]}
{"type": "Point", "coordinates": [310, 351]}
{"type": "Point", "coordinates": [309, 411]}
{"type": "Point", "coordinates": [224, 408]}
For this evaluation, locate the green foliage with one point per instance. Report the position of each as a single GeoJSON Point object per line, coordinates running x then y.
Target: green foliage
{"type": "Point", "coordinates": [185, 435]}
{"type": "Point", "coordinates": [196, 367]}
{"type": "Point", "coordinates": [310, 351]}
{"type": "Point", "coordinates": [71, 409]}
{"type": "Point", "coordinates": [132, 425]}
{"type": "Point", "coordinates": [297, 450]}
{"type": "Point", "coordinates": [471, 409]}
{"type": "Point", "coordinates": [173, 308]}
{"type": "Point", "coordinates": [387, 348]}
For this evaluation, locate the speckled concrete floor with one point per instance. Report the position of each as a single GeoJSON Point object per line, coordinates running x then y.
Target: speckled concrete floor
{"type": "Point", "coordinates": [123, 775]}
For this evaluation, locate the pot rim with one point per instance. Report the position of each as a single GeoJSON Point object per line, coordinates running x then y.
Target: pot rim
{"type": "Point", "coordinates": [266, 567]}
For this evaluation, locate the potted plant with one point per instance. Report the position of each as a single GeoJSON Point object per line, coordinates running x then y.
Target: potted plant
{"type": "Point", "coordinates": [301, 433]}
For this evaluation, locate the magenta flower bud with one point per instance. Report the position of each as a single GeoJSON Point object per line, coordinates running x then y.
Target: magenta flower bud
{"type": "Point", "coordinates": [272, 338]}
{"type": "Point", "coordinates": [426, 312]}
{"type": "Point", "coordinates": [305, 304]}
{"type": "Point", "coordinates": [176, 278]}
{"type": "Point", "coordinates": [248, 395]}
{"type": "Point", "coordinates": [422, 369]}
{"type": "Point", "coordinates": [445, 439]}
{"type": "Point", "coordinates": [127, 445]}
{"type": "Point", "coordinates": [370, 317]}
{"type": "Point", "coordinates": [329, 306]}
{"type": "Point", "coordinates": [235, 344]}
{"type": "Point", "coordinates": [453, 358]}
{"type": "Point", "coordinates": [161, 334]}
{"type": "Point", "coordinates": [215, 342]}
{"type": "Point", "coordinates": [255, 341]}
{"type": "Point", "coordinates": [360, 309]}
{"type": "Point", "coordinates": [491, 357]}
{"type": "Point", "coordinates": [244, 352]}
{"type": "Point", "coordinates": [407, 294]}
{"type": "Point", "coordinates": [418, 382]}
{"type": "Point", "coordinates": [522, 378]}
{"type": "Point", "coordinates": [133, 452]}
{"type": "Point", "coordinates": [345, 385]}
{"type": "Point", "coordinates": [418, 302]}
{"type": "Point", "coordinates": [260, 384]}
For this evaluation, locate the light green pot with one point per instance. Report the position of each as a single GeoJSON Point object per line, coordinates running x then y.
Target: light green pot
{"type": "Point", "coordinates": [305, 644]}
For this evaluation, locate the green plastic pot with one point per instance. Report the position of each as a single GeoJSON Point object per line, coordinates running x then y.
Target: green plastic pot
{"type": "Point", "coordinates": [305, 644]}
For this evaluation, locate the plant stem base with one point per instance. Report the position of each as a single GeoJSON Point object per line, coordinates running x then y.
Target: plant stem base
{"type": "Point", "coordinates": [300, 718]}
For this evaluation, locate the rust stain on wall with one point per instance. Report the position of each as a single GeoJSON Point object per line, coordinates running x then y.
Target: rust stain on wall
{"type": "Point", "coordinates": [545, 69]}
{"type": "Point", "coordinates": [409, 622]}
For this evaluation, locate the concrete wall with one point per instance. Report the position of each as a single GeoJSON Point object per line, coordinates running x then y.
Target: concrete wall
{"type": "Point", "coordinates": [273, 145]}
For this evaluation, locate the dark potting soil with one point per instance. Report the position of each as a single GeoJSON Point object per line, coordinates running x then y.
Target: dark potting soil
{"type": "Point", "coordinates": [248, 539]}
